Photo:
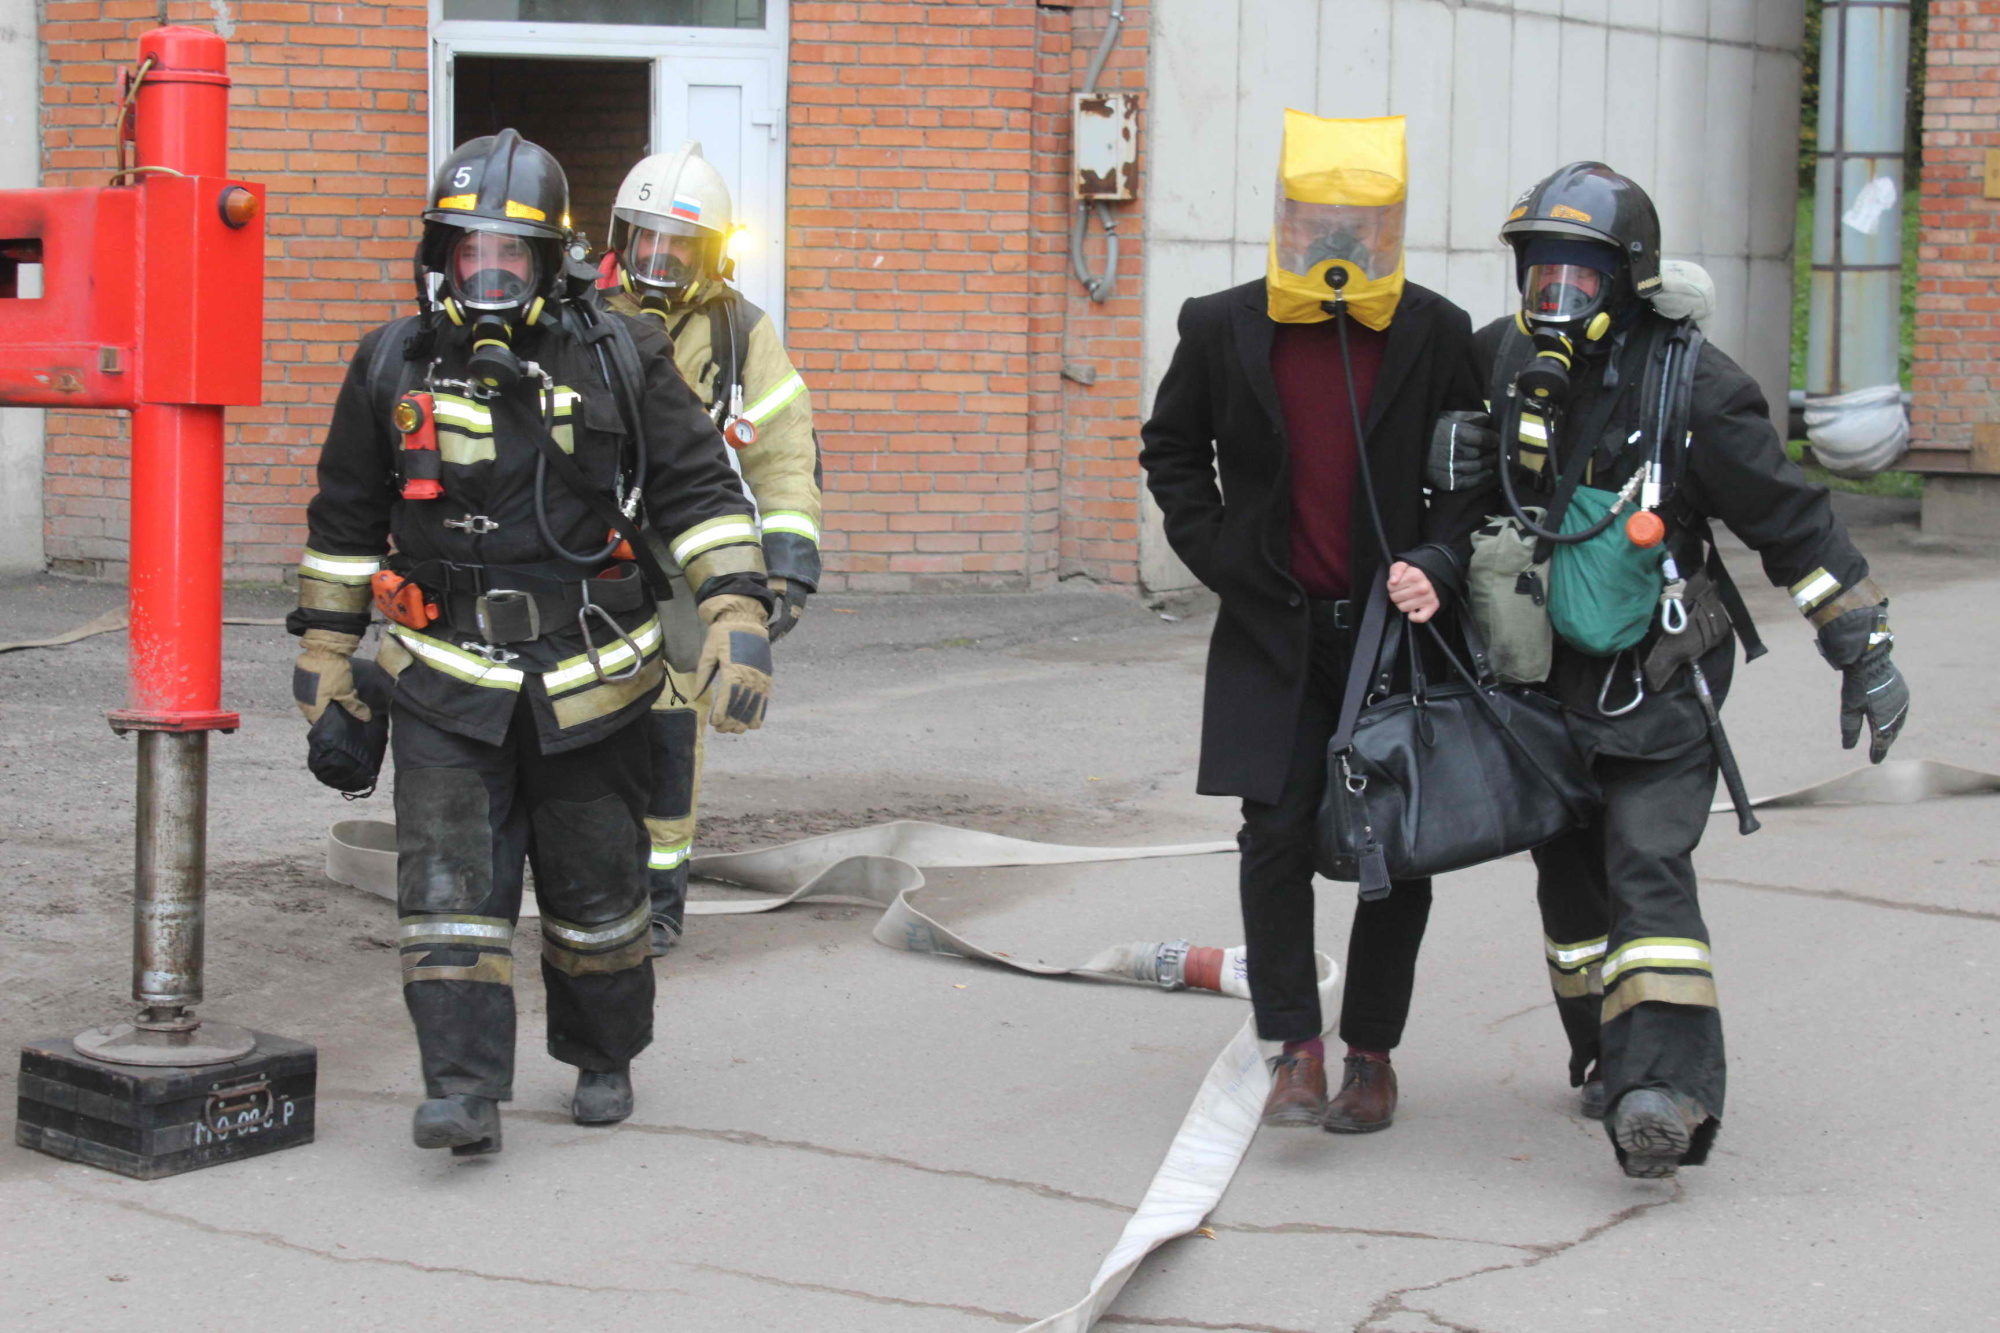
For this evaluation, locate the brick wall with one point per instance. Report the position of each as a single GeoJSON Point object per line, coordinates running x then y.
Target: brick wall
{"type": "Point", "coordinates": [929, 302]}
{"type": "Point", "coordinates": [328, 109]}
{"type": "Point", "coordinates": [929, 297]}
{"type": "Point", "coordinates": [1955, 388]}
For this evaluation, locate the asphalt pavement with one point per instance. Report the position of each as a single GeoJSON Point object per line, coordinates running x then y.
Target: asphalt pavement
{"type": "Point", "coordinates": [836, 1136]}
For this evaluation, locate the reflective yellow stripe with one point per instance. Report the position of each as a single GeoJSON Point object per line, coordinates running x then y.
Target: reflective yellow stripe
{"type": "Point", "coordinates": [715, 532]}
{"type": "Point", "coordinates": [792, 522]}
{"type": "Point", "coordinates": [462, 412]}
{"type": "Point", "coordinates": [1569, 955]}
{"type": "Point", "coordinates": [339, 568]}
{"type": "Point", "coordinates": [576, 670]}
{"type": "Point", "coordinates": [668, 855]}
{"type": "Point", "coordinates": [776, 399]}
{"type": "Point", "coordinates": [1657, 952]}
{"type": "Point", "coordinates": [1532, 429]}
{"type": "Point", "coordinates": [454, 662]}
{"type": "Point", "coordinates": [1813, 589]}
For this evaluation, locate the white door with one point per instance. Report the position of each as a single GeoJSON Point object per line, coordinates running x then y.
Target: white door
{"type": "Point", "coordinates": [722, 86]}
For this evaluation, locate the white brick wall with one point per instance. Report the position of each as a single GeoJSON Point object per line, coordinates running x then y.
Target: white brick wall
{"type": "Point", "coordinates": [1695, 99]}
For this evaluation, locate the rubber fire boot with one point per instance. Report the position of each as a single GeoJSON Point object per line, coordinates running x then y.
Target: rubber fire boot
{"type": "Point", "coordinates": [1590, 1099]}
{"type": "Point", "coordinates": [1298, 1091]}
{"type": "Point", "coordinates": [602, 1097]}
{"type": "Point", "coordinates": [466, 1124]}
{"type": "Point", "coordinates": [1652, 1130]}
{"type": "Point", "coordinates": [1366, 1101]}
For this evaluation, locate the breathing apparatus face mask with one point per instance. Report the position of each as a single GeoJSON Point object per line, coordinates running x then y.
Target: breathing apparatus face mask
{"type": "Point", "coordinates": [493, 277]}
{"type": "Point", "coordinates": [1340, 203]}
{"type": "Point", "coordinates": [669, 260]}
{"type": "Point", "coordinates": [1568, 297]}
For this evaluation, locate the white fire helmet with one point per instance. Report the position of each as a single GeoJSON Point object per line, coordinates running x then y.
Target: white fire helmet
{"type": "Point", "coordinates": [670, 225]}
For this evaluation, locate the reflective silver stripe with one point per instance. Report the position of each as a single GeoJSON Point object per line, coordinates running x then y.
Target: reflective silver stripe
{"type": "Point", "coordinates": [1657, 953]}
{"type": "Point", "coordinates": [462, 411]}
{"type": "Point", "coordinates": [466, 929]}
{"type": "Point", "coordinates": [461, 664]}
{"type": "Point", "coordinates": [777, 398]}
{"type": "Point", "coordinates": [667, 856]}
{"type": "Point", "coordinates": [340, 568]}
{"type": "Point", "coordinates": [622, 928]}
{"type": "Point", "coordinates": [1568, 955]}
{"type": "Point", "coordinates": [647, 636]}
{"type": "Point", "coordinates": [1532, 429]}
{"type": "Point", "coordinates": [1814, 588]}
{"type": "Point", "coordinates": [793, 522]}
{"type": "Point", "coordinates": [722, 531]}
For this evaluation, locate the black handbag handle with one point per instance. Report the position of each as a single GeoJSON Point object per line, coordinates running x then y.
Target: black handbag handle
{"type": "Point", "coordinates": [1378, 598]}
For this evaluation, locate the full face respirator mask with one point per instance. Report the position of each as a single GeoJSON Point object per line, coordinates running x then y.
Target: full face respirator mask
{"type": "Point", "coordinates": [1338, 222]}
{"type": "Point", "coordinates": [493, 278]}
{"type": "Point", "coordinates": [1569, 295]}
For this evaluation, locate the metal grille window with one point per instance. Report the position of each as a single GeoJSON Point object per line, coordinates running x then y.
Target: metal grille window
{"type": "Point", "coordinates": [644, 13]}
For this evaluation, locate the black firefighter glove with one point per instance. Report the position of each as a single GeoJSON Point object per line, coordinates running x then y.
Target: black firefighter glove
{"type": "Point", "coordinates": [1465, 452]}
{"type": "Point", "coordinates": [1857, 644]}
{"type": "Point", "coordinates": [791, 595]}
{"type": "Point", "coordinates": [343, 751]}
{"type": "Point", "coordinates": [735, 666]}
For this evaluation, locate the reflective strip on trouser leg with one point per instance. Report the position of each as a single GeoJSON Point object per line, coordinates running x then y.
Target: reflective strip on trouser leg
{"type": "Point", "coordinates": [1663, 968]}
{"type": "Point", "coordinates": [1576, 968]}
{"type": "Point", "coordinates": [456, 948]}
{"type": "Point", "coordinates": [578, 950]}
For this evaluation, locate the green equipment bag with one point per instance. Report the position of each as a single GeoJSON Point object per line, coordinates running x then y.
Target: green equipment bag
{"type": "Point", "coordinates": [1602, 592]}
{"type": "Point", "coordinates": [1509, 594]}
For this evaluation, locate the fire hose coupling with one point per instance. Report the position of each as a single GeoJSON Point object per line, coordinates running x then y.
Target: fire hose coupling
{"type": "Point", "coordinates": [1169, 965]}
{"type": "Point", "coordinates": [1178, 965]}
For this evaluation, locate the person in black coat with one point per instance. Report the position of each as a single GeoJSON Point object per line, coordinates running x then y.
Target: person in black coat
{"type": "Point", "coordinates": [1250, 453]}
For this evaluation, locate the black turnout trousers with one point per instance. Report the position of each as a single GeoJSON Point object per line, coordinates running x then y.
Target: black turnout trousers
{"type": "Point", "coordinates": [1276, 886]}
{"type": "Point", "coordinates": [467, 814]}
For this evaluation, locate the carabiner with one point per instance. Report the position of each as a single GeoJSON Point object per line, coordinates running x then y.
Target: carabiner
{"type": "Point", "coordinates": [1604, 690]}
{"type": "Point", "coordinates": [583, 614]}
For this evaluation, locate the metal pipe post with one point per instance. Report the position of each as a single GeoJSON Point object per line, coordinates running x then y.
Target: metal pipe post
{"type": "Point", "coordinates": [170, 865]}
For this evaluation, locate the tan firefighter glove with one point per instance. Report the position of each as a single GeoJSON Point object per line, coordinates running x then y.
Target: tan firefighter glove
{"type": "Point", "coordinates": [735, 666]}
{"type": "Point", "coordinates": [325, 674]}
{"type": "Point", "coordinates": [790, 606]}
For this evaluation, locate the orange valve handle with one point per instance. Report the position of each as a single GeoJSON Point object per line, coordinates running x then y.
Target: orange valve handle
{"type": "Point", "coordinates": [415, 416]}
{"type": "Point", "coordinates": [402, 601]}
{"type": "Point", "coordinates": [1645, 529]}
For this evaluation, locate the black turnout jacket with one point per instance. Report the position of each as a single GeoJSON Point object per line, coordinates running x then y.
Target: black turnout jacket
{"type": "Point", "coordinates": [1218, 463]}
{"type": "Point", "coordinates": [359, 521]}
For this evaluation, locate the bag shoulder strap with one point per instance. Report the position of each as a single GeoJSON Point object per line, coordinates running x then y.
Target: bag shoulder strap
{"type": "Point", "coordinates": [1361, 667]}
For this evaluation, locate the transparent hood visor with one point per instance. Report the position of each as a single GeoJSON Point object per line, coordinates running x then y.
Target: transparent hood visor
{"type": "Point", "coordinates": [1370, 238]}
{"type": "Point", "coordinates": [1563, 293]}
{"type": "Point", "coordinates": [493, 271]}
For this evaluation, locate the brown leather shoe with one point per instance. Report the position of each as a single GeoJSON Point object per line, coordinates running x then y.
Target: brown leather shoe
{"type": "Point", "coordinates": [1367, 1098]}
{"type": "Point", "coordinates": [1298, 1092]}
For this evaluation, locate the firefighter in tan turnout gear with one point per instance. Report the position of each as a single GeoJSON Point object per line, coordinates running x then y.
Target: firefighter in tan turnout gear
{"type": "Point", "coordinates": [493, 471]}
{"type": "Point", "coordinates": [668, 264]}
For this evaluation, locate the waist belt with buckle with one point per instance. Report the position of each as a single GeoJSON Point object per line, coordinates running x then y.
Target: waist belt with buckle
{"type": "Point", "coordinates": [515, 615]}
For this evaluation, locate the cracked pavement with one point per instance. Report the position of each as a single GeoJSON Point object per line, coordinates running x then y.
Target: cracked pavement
{"type": "Point", "coordinates": [835, 1136]}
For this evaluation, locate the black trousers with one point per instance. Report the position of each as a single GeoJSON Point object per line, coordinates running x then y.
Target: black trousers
{"type": "Point", "coordinates": [1276, 887]}
{"type": "Point", "coordinates": [467, 814]}
{"type": "Point", "coordinates": [1621, 917]}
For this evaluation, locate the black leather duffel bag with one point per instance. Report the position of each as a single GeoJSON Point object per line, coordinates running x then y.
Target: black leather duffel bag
{"type": "Point", "coordinates": [1446, 775]}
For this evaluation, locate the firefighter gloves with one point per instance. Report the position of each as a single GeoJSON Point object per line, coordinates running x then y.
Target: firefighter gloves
{"type": "Point", "coordinates": [791, 604]}
{"type": "Point", "coordinates": [735, 667]}
{"type": "Point", "coordinates": [1872, 690]}
{"type": "Point", "coordinates": [324, 674]}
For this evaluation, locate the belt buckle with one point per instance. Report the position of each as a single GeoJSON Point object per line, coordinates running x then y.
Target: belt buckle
{"type": "Point", "coordinates": [1343, 613]}
{"type": "Point", "coordinates": [507, 615]}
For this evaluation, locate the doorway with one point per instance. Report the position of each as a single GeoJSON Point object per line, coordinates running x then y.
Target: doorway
{"type": "Point", "coordinates": [594, 115]}
{"type": "Point", "coordinates": [602, 96]}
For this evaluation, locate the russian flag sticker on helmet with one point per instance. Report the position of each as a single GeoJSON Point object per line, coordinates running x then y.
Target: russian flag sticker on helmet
{"type": "Point", "coordinates": [688, 210]}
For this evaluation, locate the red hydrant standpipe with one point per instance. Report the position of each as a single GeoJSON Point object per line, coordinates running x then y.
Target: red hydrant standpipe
{"type": "Point", "coordinates": [182, 130]}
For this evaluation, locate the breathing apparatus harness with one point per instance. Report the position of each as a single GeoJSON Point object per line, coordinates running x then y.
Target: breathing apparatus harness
{"type": "Point", "coordinates": [505, 614]}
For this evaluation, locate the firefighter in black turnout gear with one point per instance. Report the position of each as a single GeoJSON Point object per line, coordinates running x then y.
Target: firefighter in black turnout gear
{"type": "Point", "coordinates": [488, 481]}
{"type": "Point", "coordinates": [1614, 417]}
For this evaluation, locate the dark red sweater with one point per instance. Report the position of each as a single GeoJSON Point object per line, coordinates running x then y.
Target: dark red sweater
{"type": "Point", "coordinates": [1319, 427]}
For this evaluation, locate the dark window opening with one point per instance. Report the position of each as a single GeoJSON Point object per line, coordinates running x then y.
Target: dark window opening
{"type": "Point", "coordinates": [641, 13]}
{"type": "Point", "coordinates": [596, 116]}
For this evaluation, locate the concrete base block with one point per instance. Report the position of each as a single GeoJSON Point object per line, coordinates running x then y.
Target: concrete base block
{"type": "Point", "coordinates": [1961, 506]}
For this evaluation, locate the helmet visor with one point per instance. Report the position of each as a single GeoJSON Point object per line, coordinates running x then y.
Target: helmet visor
{"type": "Point", "coordinates": [671, 255]}
{"type": "Point", "coordinates": [492, 270]}
{"type": "Point", "coordinates": [1562, 293]}
{"type": "Point", "coordinates": [1370, 238]}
